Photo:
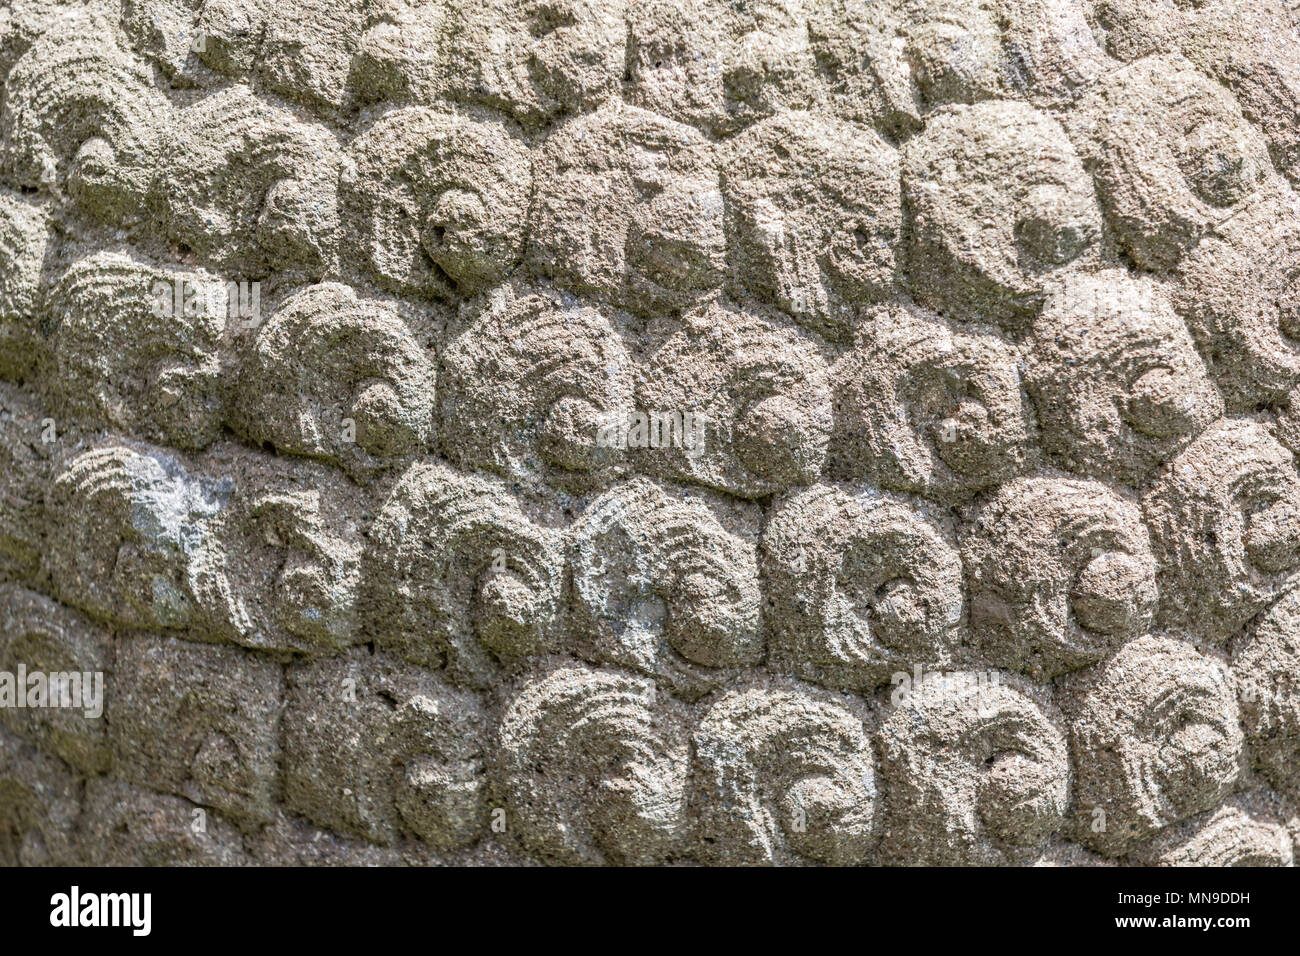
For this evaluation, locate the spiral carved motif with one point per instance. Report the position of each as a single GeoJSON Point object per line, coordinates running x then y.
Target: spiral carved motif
{"type": "Point", "coordinates": [594, 432]}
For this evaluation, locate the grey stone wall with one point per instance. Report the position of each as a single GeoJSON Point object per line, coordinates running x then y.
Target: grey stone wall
{"type": "Point", "coordinates": [681, 431]}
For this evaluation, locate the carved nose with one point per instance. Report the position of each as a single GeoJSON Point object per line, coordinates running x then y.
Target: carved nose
{"type": "Point", "coordinates": [1022, 798]}
{"type": "Point", "coordinates": [899, 615]}
{"type": "Point", "coordinates": [571, 435]}
{"type": "Point", "coordinates": [505, 605]}
{"type": "Point", "coordinates": [966, 439]}
{"type": "Point", "coordinates": [455, 234]}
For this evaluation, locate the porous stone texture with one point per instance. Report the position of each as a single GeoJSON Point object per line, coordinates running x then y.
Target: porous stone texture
{"type": "Point", "coordinates": [588, 432]}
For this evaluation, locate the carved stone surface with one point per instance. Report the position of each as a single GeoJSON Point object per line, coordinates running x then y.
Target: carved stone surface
{"type": "Point", "coordinates": [377, 748]}
{"type": "Point", "coordinates": [784, 776]}
{"type": "Point", "coordinates": [616, 791]}
{"type": "Point", "coordinates": [929, 408]}
{"type": "Point", "coordinates": [973, 773]}
{"type": "Point", "coordinates": [861, 587]}
{"type": "Point", "coordinates": [438, 202]}
{"type": "Point", "coordinates": [1171, 153]}
{"type": "Point", "coordinates": [670, 432]}
{"type": "Point", "coordinates": [1117, 383]}
{"type": "Point", "coordinates": [989, 231]}
{"type": "Point", "coordinates": [1225, 524]}
{"type": "Point", "coordinates": [114, 363]}
{"type": "Point", "coordinates": [1060, 574]}
{"type": "Point", "coordinates": [337, 378]}
{"type": "Point", "coordinates": [1155, 737]}
{"type": "Point", "coordinates": [659, 584]}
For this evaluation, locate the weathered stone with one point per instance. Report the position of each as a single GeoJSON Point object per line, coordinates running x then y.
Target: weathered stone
{"type": "Point", "coordinates": [1266, 669]}
{"type": "Point", "coordinates": [1171, 153]}
{"type": "Point", "coordinates": [82, 121]}
{"type": "Point", "coordinates": [987, 231]}
{"type": "Point", "coordinates": [972, 773]}
{"type": "Point", "coordinates": [628, 210]}
{"type": "Point", "coordinates": [1225, 525]}
{"type": "Point", "coordinates": [337, 378]}
{"type": "Point", "coordinates": [505, 417]}
{"type": "Point", "coordinates": [40, 803]}
{"type": "Point", "coordinates": [721, 66]}
{"type": "Point", "coordinates": [379, 748]}
{"type": "Point", "coordinates": [760, 392]}
{"type": "Point", "coordinates": [436, 203]}
{"type": "Point", "coordinates": [135, 347]}
{"type": "Point", "coordinates": [659, 584]}
{"type": "Point", "coordinates": [860, 587]}
{"type": "Point", "coordinates": [1060, 573]}
{"type": "Point", "coordinates": [127, 825]}
{"type": "Point", "coordinates": [724, 432]}
{"type": "Point", "coordinates": [925, 407]}
{"type": "Point", "coordinates": [200, 721]}
{"type": "Point", "coordinates": [813, 218]}
{"type": "Point", "coordinates": [1116, 379]}
{"type": "Point", "coordinates": [41, 636]}
{"type": "Point", "coordinates": [784, 777]}
{"type": "Point", "coordinates": [593, 770]}
{"type": "Point", "coordinates": [458, 576]}
{"type": "Point", "coordinates": [1154, 738]}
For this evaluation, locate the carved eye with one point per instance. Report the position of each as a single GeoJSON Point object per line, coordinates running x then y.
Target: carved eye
{"type": "Point", "coordinates": [1005, 766]}
{"type": "Point", "coordinates": [504, 609]}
